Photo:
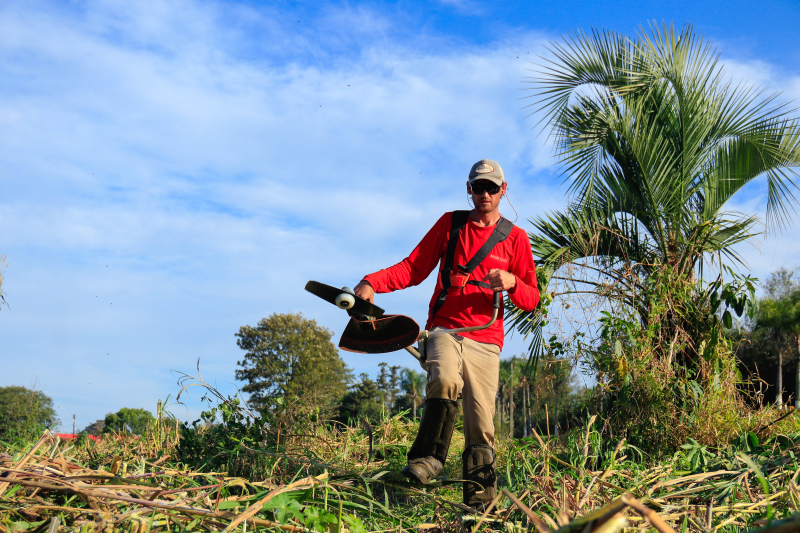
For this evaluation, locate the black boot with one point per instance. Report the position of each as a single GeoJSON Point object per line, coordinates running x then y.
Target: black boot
{"type": "Point", "coordinates": [429, 451]}
{"type": "Point", "coordinates": [480, 476]}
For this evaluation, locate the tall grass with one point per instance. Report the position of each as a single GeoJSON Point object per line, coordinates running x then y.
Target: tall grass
{"type": "Point", "coordinates": [330, 477]}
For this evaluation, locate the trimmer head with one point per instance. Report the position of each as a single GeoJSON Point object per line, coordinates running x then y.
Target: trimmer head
{"type": "Point", "coordinates": [382, 335]}
{"type": "Point", "coordinates": [343, 298]}
{"type": "Point", "coordinates": [368, 331]}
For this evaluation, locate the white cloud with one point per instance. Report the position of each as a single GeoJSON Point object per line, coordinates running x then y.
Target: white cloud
{"type": "Point", "coordinates": [213, 185]}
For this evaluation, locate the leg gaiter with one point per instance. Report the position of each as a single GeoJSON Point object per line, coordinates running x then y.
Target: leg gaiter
{"type": "Point", "coordinates": [435, 429]}
{"type": "Point", "coordinates": [480, 475]}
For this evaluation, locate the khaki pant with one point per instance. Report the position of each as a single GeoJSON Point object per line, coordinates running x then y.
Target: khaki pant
{"type": "Point", "coordinates": [459, 365]}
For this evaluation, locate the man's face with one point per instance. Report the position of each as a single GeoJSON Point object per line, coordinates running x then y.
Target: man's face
{"type": "Point", "coordinates": [486, 195]}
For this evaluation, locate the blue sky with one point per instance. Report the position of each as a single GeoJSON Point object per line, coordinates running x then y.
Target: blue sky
{"type": "Point", "coordinates": [171, 171]}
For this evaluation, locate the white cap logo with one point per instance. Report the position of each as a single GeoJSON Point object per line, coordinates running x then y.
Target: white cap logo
{"type": "Point", "coordinates": [484, 168]}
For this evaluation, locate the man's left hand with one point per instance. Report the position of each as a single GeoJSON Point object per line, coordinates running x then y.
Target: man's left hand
{"type": "Point", "coordinates": [500, 280]}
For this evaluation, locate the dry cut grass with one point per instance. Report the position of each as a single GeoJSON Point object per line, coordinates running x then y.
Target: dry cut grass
{"type": "Point", "coordinates": [342, 479]}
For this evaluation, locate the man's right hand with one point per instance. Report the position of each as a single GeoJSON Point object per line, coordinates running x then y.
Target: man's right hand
{"type": "Point", "coordinates": [364, 290]}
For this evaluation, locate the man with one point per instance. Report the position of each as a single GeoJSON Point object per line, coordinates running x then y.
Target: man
{"type": "Point", "coordinates": [467, 364]}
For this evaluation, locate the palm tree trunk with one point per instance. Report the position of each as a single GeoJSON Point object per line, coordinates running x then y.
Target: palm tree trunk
{"type": "Point", "coordinates": [528, 418]}
{"type": "Point", "coordinates": [511, 405]}
{"type": "Point", "coordinates": [499, 411]}
{"type": "Point", "coordinates": [524, 410]}
{"type": "Point", "coordinates": [797, 386]}
{"type": "Point", "coordinates": [779, 395]}
{"type": "Point", "coordinates": [797, 376]}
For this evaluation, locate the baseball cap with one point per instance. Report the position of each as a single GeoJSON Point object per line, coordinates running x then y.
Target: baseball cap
{"type": "Point", "coordinates": [486, 169]}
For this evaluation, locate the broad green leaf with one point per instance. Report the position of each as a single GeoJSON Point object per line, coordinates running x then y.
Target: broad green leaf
{"type": "Point", "coordinates": [285, 506]}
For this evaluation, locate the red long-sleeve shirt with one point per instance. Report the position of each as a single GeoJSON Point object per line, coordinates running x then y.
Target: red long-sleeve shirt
{"type": "Point", "coordinates": [472, 305]}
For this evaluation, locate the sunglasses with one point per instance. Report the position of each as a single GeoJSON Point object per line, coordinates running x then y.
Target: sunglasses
{"type": "Point", "coordinates": [480, 187]}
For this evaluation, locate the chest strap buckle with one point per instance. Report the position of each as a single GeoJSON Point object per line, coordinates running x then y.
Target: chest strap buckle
{"type": "Point", "coordinates": [458, 280]}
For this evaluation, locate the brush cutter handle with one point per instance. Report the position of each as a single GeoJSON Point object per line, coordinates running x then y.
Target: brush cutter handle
{"type": "Point", "coordinates": [497, 301]}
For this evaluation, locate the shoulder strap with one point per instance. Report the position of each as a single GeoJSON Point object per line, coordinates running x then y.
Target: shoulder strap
{"type": "Point", "coordinates": [458, 221]}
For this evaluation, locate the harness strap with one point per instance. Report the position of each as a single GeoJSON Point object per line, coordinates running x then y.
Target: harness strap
{"type": "Point", "coordinates": [501, 232]}
{"type": "Point", "coordinates": [458, 221]}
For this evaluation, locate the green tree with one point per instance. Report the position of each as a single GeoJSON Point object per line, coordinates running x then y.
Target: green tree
{"type": "Point", "coordinates": [292, 359]}
{"type": "Point", "coordinates": [95, 428]}
{"type": "Point", "coordinates": [24, 413]}
{"type": "Point", "coordinates": [654, 142]}
{"type": "Point", "coordinates": [389, 383]}
{"type": "Point", "coordinates": [778, 315]}
{"type": "Point", "coordinates": [540, 398]}
{"type": "Point", "coordinates": [128, 420]}
{"type": "Point", "coordinates": [780, 283]}
{"type": "Point", "coordinates": [364, 401]}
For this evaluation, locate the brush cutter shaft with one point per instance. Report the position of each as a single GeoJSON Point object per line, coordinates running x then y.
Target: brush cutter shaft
{"type": "Point", "coordinates": [413, 351]}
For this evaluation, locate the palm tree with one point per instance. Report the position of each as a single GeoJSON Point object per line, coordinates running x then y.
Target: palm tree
{"type": "Point", "coordinates": [654, 142]}
{"type": "Point", "coordinates": [413, 384]}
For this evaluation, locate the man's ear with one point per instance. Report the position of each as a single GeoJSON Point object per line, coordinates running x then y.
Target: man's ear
{"type": "Point", "coordinates": [469, 189]}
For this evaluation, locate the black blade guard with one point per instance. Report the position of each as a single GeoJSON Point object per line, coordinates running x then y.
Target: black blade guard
{"type": "Point", "coordinates": [385, 334]}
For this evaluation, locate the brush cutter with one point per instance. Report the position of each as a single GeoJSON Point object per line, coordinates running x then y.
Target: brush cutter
{"type": "Point", "coordinates": [370, 331]}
